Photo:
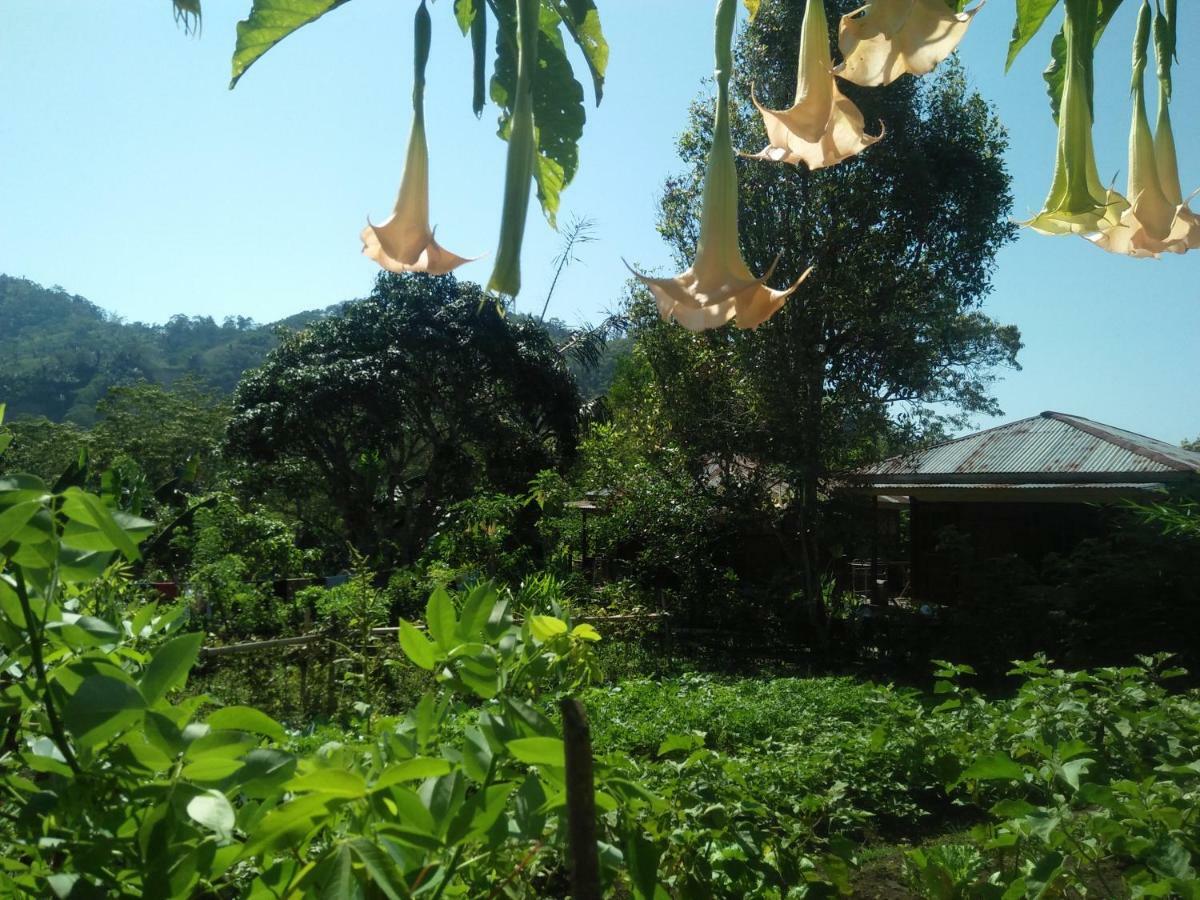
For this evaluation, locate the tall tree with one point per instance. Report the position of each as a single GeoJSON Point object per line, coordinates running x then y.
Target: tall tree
{"type": "Point", "coordinates": [888, 330]}
{"type": "Point", "coordinates": [404, 404]}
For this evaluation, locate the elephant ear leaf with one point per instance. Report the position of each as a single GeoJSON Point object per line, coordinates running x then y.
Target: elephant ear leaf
{"type": "Point", "coordinates": [269, 22]}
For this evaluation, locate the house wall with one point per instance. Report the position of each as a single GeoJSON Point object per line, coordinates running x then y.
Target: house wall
{"type": "Point", "coordinates": [987, 531]}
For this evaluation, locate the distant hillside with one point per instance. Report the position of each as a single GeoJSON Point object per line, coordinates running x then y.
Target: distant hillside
{"type": "Point", "coordinates": [60, 353]}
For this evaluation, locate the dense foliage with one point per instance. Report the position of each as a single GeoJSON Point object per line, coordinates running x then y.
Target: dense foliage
{"type": "Point", "coordinates": [403, 405]}
{"type": "Point", "coordinates": [116, 785]}
{"type": "Point", "coordinates": [59, 353]}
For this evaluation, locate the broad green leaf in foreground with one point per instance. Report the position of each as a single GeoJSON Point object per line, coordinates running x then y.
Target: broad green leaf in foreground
{"type": "Point", "coordinates": [269, 22]}
{"type": "Point", "coordinates": [538, 751]}
{"type": "Point", "coordinates": [416, 646]}
{"type": "Point", "coordinates": [1031, 14]}
{"type": "Point", "coordinates": [101, 708]}
{"type": "Point", "coordinates": [170, 665]}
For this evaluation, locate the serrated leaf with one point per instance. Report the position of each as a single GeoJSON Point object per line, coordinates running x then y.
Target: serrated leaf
{"type": "Point", "coordinates": [269, 22]}
{"type": "Point", "coordinates": [335, 874]}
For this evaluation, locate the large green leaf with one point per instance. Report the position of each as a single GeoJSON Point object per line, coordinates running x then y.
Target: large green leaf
{"type": "Point", "coordinates": [539, 751]}
{"type": "Point", "coordinates": [582, 20]}
{"type": "Point", "coordinates": [91, 525]}
{"type": "Point", "coordinates": [333, 782]}
{"type": "Point", "coordinates": [269, 22]}
{"type": "Point", "coordinates": [336, 873]}
{"type": "Point", "coordinates": [1031, 15]}
{"type": "Point", "coordinates": [246, 718]}
{"type": "Point", "coordinates": [416, 646]}
{"type": "Point", "coordinates": [641, 856]}
{"type": "Point", "coordinates": [417, 769]}
{"type": "Point", "coordinates": [101, 708]}
{"type": "Point", "coordinates": [15, 518]}
{"type": "Point", "coordinates": [170, 666]}
{"type": "Point", "coordinates": [286, 826]}
{"type": "Point", "coordinates": [380, 868]}
{"type": "Point", "coordinates": [439, 615]}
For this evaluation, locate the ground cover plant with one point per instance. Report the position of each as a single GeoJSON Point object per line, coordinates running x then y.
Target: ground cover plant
{"type": "Point", "coordinates": [118, 784]}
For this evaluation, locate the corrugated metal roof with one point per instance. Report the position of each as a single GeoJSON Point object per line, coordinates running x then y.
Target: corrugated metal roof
{"type": "Point", "coordinates": [1050, 447]}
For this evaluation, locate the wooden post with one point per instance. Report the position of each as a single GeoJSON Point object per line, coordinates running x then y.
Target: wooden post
{"type": "Point", "coordinates": [876, 599]}
{"type": "Point", "coordinates": [581, 802]}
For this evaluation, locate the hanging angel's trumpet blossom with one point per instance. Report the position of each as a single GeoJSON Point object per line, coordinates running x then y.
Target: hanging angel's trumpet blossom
{"type": "Point", "coordinates": [1186, 227]}
{"type": "Point", "coordinates": [889, 38]}
{"type": "Point", "coordinates": [718, 287]}
{"type": "Point", "coordinates": [1146, 228]}
{"type": "Point", "coordinates": [522, 156]}
{"type": "Point", "coordinates": [823, 126]}
{"type": "Point", "coordinates": [1078, 203]}
{"type": "Point", "coordinates": [404, 242]}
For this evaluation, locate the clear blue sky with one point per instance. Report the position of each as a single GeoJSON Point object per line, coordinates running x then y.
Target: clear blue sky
{"type": "Point", "coordinates": [129, 174]}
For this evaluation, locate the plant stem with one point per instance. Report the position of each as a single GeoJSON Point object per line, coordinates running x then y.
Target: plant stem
{"type": "Point", "coordinates": [39, 665]}
{"type": "Point", "coordinates": [458, 851]}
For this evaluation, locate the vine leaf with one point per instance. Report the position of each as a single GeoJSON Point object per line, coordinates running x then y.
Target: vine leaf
{"type": "Point", "coordinates": [269, 22]}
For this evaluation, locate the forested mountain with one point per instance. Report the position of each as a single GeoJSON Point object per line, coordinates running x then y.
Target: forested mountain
{"type": "Point", "coordinates": [60, 353]}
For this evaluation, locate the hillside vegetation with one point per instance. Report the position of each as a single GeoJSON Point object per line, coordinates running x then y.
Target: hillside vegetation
{"type": "Point", "coordinates": [60, 353]}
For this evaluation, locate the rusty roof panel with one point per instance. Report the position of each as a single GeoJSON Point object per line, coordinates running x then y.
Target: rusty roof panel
{"type": "Point", "coordinates": [1052, 445]}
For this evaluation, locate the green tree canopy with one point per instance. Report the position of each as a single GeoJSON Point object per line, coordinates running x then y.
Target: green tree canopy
{"type": "Point", "coordinates": [403, 405]}
{"type": "Point", "coordinates": [887, 332]}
